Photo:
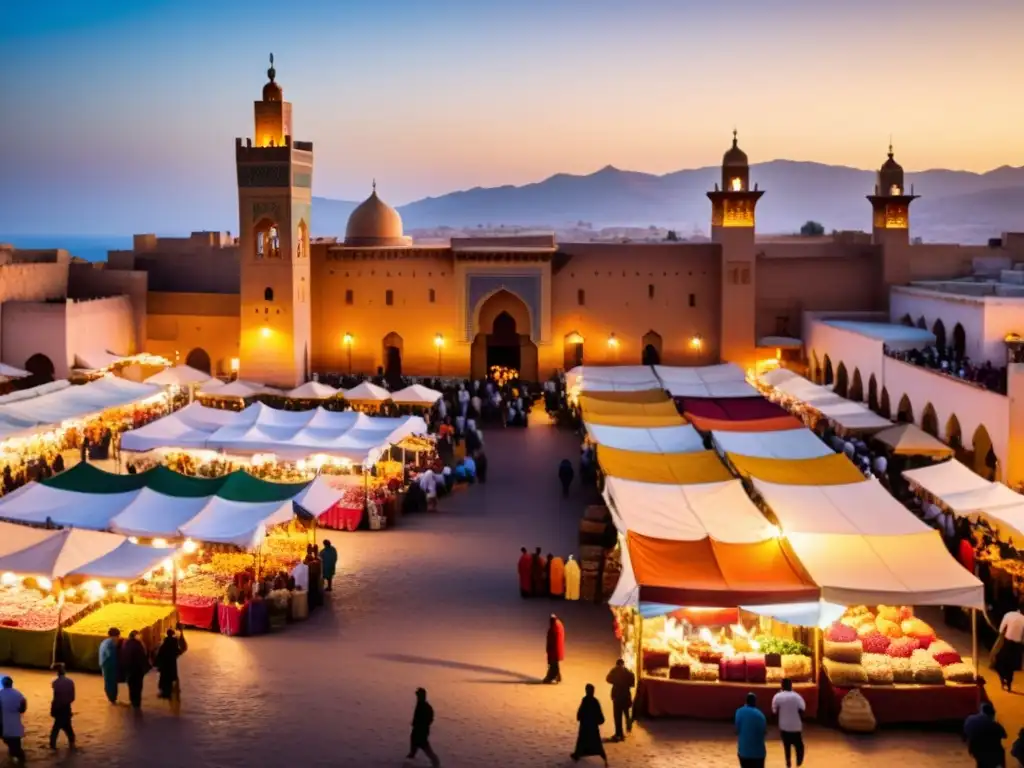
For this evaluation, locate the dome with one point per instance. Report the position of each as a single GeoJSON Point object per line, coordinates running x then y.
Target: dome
{"type": "Point", "coordinates": [272, 91]}
{"type": "Point", "coordinates": [374, 223]}
{"type": "Point", "coordinates": [891, 164]}
{"type": "Point", "coordinates": [735, 156]}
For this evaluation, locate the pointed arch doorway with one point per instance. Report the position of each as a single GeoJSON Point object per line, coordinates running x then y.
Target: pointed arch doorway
{"type": "Point", "coordinates": [503, 337]}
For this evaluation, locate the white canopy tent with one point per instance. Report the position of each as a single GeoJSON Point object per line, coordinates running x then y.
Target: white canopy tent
{"type": "Point", "coordinates": [37, 504]}
{"type": "Point", "coordinates": [125, 562]}
{"type": "Point", "coordinates": [237, 388]}
{"type": "Point", "coordinates": [725, 380]}
{"type": "Point", "coordinates": [180, 376]}
{"type": "Point", "coordinates": [416, 394]}
{"type": "Point", "coordinates": [687, 512]}
{"type": "Point", "coordinates": [783, 444]}
{"type": "Point", "coordinates": [58, 555]}
{"type": "Point", "coordinates": [313, 390]}
{"type": "Point", "coordinates": [188, 428]}
{"type": "Point", "coordinates": [679, 439]}
{"type": "Point", "coordinates": [155, 515]}
{"type": "Point", "coordinates": [894, 336]}
{"type": "Point", "coordinates": [16, 537]}
{"type": "Point", "coordinates": [619, 378]}
{"type": "Point", "coordinates": [855, 508]}
{"type": "Point", "coordinates": [969, 495]}
{"type": "Point", "coordinates": [777, 376]}
{"type": "Point", "coordinates": [239, 523]}
{"type": "Point", "coordinates": [946, 479]}
{"type": "Point", "coordinates": [366, 392]}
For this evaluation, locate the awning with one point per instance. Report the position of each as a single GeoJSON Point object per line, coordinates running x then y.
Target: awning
{"type": "Point", "coordinates": [179, 375]}
{"type": "Point", "coordinates": [834, 469]}
{"type": "Point", "coordinates": [678, 439]}
{"type": "Point", "coordinates": [366, 392]}
{"type": "Point", "coordinates": [969, 495]}
{"type": "Point", "coordinates": [910, 440]}
{"type": "Point", "coordinates": [730, 408]}
{"type": "Point", "coordinates": [593, 407]}
{"type": "Point", "coordinates": [313, 390]}
{"type": "Point", "coordinates": [709, 573]}
{"type": "Point", "coordinates": [619, 378]}
{"type": "Point", "coordinates": [238, 388]}
{"type": "Point", "coordinates": [894, 336]}
{"type": "Point", "coordinates": [417, 394]}
{"type": "Point", "coordinates": [785, 444]}
{"type": "Point", "coordinates": [56, 556]}
{"type": "Point", "coordinates": [720, 510]}
{"type": "Point", "coordinates": [776, 376]}
{"type": "Point", "coordinates": [635, 396]}
{"type": "Point", "coordinates": [725, 380]}
{"type": "Point", "coordinates": [946, 479]}
{"type": "Point", "coordinates": [97, 359]}
{"type": "Point", "coordinates": [671, 468]}
{"type": "Point", "coordinates": [126, 562]}
{"type": "Point", "coordinates": [17, 537]}
{"type": "Point", "coordinates": [635, 420]}
{"type": "Point", "coordinates": [755, 425]}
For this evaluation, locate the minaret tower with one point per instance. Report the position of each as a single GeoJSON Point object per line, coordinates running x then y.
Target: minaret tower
{"type": "Point", "coordinates": [732, 226]}
{"type": "Point", "coordinates": [891, 220]}
{"type": "Point", "coordinates": [275, 176]}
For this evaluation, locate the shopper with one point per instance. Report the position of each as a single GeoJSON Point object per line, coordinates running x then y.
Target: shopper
{"type": "Point", "coordinates": [555, 650]}
{"type": "Point", "coordinates": [565, 473]}
{"type": "Point", "coordinates": [1007, 656]}
{"type": "Point", "coordinates": [789, 707]}
{"type": "Point", "coordinates": [110, 651]}
{"type": "Point", "coordinates": [329, 561]}
{"type": "Point", "coordinates": [12, 707]}
{"type": "Point", "coordinates": [60, 707]}
{"type": "Point", "coordinates": [984, 737]}
{"type": "Point", "coordinates": [134, 663]}
{"type": "Point", "coordinates": [422, 719]}
{"type": "Point", "coordinates": [588, 738]}
{"type": "Point", "coordinates": [167, 655]}
{"type": "Point", "coordinates": [622, 682]}
{"type": "Point", "coordinates": [751, 725]}
{"type": "Point", "coordinates": [525, 569]}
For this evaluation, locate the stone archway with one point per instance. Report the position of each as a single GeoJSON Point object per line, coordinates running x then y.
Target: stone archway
{"type": "Point", "coordinates": [842, 386]}
{"type": "Point", "coordinates": [873, 393]}
{"type": "Point", "coordinates": [959, 341]}
{"type": "Point", "coordinates": [573, 350]}
{"type": "Point", "coordinates": [199, 359]}
{"type": "Point", "coordinates": [42, 370]}
{"type": "Point", "coordinates": [930, 420]}
{"type": "Point", "coordinates": [905, 411]}
{"type": "Point", "coordinates": [856, 387]}
{"type": "Point", "coordinates": [503, 338]}
{"type": "Point", "coordinates": [392, 349]}
{"type": "Point", "coordinates": [651, 346]}
{"type": "Point", "coordinates": [985, 462]}
{"type": "Point", "coordinates": [829, 377]}
{"type": "Point", "coordinates": [884, 407]}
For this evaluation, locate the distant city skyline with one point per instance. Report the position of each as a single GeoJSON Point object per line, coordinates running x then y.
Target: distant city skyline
{"type": "Point", "coordinates": [122, 115]}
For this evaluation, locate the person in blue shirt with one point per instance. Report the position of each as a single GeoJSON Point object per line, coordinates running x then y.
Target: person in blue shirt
{"type": "Point", "coordinates": [750, 729]}
{"type": "Point", "coordinates": [470, 464]}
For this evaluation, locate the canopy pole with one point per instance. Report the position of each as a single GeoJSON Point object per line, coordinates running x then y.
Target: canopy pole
{"type": "Point", "coordinates": [974, 639]}
{"type": "Point", "coordinates": [60, 613]}
{"type": "Point", "coordinates": [174, 582]}
{"type": "Point", "coordinates": [817, 651]}
{"type": "Point", "coordinates": [639, 620]}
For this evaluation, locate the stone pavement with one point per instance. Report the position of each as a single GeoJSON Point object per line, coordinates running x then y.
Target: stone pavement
{"type": "Point", "coordinates": [432, 603]}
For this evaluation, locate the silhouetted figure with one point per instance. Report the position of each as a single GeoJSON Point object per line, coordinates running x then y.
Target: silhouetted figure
{"type": "Point", "coordinates": [984, 737]}
{"type": "Point", "coordinates": [591, 718]}
{"type": "Point", "coordinates": [555, 650]}
{"type": "Point", "coordinates": [622, 682]}
{"type": "Point", "coordinates": [60, 707]}
{"type": "Point", "coordinates": [565, 474]}
{"type": "Point", "coordinates": [525, 569]}
{"type": "Point", "coordinates": [539, 570]}
{"type": "Point", "coordinates": [134, 664]}
{"type": "Point", "coordinates": [422, 719]}
{"type": "Point", "coordinates": [167, 662]}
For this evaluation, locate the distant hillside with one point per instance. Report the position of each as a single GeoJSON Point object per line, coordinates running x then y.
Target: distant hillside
{"type": "Point", "coordinates": [956, 206]}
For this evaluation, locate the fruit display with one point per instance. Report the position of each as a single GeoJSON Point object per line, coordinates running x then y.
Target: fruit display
{"type": "Point", "coordinates": [902, 647]}
{"type": "Point", "coordinates": [961, 672]}
{"type": "Point", "coordinates": [944, 653]}
{"type": "Point", "coordinates": [878, 669]}
{"type": "Point", "coordinates": [28, 609]}
{"type": "Point", "coordinates": [781, 646]}
{"type": "Point", "coordinates": [926, 669]}
{"type": "Point", "coordinates": [124, 616]}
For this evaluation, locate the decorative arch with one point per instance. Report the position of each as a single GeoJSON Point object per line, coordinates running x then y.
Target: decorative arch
{"type": "Point", "coordinates": [959, 341]}
{"type": "Point", "coordinates": [829, 377]}
{"type": "Point", "coordinates": [986, 463]}
{"type": "Point", "coordinates": [884, 407]}
{"type": "Point", "coordinates": [504, 323]}
{"type": "Point", "coordinates": [873, 393]}
{"type": "Point", "coordinates": [41, 368]}
{"type": "Point", "coordinates": [856, 387]}
{"type": "Point", "coordinates": [651, 346]}
{"type": "Point", "coordinates": [930, 420]}
{"type": "Point", "coordinates": [267, 239]}
{"type": "Point", "coordinates": [907, 320]}
{"type": "Point", "coordinates": [494, 303]}
{"type": "Point", "coordinates": [954, 435]}
{"type": "Point", "coordinates": [268, 294]}
{"type": "Point", "coordinates": [939, 329]}
{"type": "Point", "coordinates": [905, 411]}
{"type": "Point", "coordinates": [199, 359]}
{"type": "Point", "coordinates": [392, 352]}
{"type": "Point", "coordinates": [573, 350]}
{"type": "Point", "coordinates": [302, 240]}
{"type": "Point", "coordinates": [842, 386]}
{"type": "Point", "coordinates": [921, 323]}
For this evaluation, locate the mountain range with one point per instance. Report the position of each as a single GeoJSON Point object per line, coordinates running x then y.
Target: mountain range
{"type": "Point", "coordinates": [955, 206]}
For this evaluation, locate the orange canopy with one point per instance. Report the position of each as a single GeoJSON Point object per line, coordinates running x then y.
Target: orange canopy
{"type": "Point", "coordinates": [709, 573]}
{"type": "Point", "coordinates": [773, 424]}
{"type": "Point", "coordinates": [640, 396]}
{"type": "Point", "coordinates": [834, 469]}
{"type": "Point", "coordinates": [670, 468]}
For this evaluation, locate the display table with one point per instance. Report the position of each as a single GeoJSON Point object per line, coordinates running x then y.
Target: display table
{"type": "Point", "coordinates": [341, 518]}
{"type": "Point", "coordinates": [659, 697]}
{"type": "Point", "coordinates": [198, 616]}
{"type": "Point", "coordinates": [80, 642]}
{"type": "Point", "coordinates": [903, 703]}
{"type": "Point", "coordinates": [27, 647]}
{"type": "Point", "coordinates": [231, 618]}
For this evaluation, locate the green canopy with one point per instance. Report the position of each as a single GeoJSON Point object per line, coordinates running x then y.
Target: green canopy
{"type": "Point", "coordinates": [237, 486]}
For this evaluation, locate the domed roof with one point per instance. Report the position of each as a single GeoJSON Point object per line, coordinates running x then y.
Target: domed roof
{"type": "Point", "coordinates": [891, 164]}
{"type": "Point", "coordinates": [374, 223]}
{"type": "Point", "coordinates": [735, 156]}
{"type": "Point", "coordinates": [272, 91]}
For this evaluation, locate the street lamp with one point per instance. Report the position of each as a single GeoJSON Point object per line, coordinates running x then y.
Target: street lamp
{"type": "Point", "coordinates": [347, 341]}
{"type": "Point", "coordinates": [439, 343]}
{"type": "Point", "coordinates": [696, 343]}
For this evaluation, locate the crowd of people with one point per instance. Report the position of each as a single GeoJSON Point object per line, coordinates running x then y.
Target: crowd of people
{"type": "Point", "coordinates": [948, 361]}
{"type": "Point", "coordinates": [550, 576]}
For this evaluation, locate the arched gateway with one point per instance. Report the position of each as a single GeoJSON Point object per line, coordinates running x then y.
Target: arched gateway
{"type": "Point", "coordinates": [503, 336]}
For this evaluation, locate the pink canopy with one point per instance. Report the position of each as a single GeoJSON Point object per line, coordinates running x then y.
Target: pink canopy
{"type": "Point", "coordinates": [730, 408]}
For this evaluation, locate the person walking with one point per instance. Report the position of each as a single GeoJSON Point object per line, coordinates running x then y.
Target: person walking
{"type": "Point", "coordinates": [329, 561]}
{"type": "Point", "coordinates": [751, 725]}
{"type": "Point", "coordinates": [789, 706]}
{"type": "Point", "coordinates": [12, 707]}
{"type": "Point", "coordinates": [166, 659]}
{"type": "Point", "coordinates": [565, 473]}
{"type": "Point", "coordinates": [622, 682]}
{"type": "Point", "coordinates": [984, 737]}
{"type": "Point", "coordinates": [540, 574]}
{"type": "Point", "coordinates": [60, 707]}
{"type": "Point", "coordinates": [525, 573]}
{"type": "Point", "coordinates": [555, 650]}
{"type": "Point", "coordinates": [422, 719]}
{"type": "Point", "coordinates": [110, 652]}
{"type": "Point", "coordinates": [134, 663]}
{"type": "Point", "coordinates": [1007, 657]}
{"type": "Point", "coordinates": [588, 738]}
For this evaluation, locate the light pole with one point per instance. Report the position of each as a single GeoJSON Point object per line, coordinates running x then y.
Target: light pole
{"type": "Point", "coordinates": [347, 341]}
{"type": "Point", "coordinates": [439, 343]}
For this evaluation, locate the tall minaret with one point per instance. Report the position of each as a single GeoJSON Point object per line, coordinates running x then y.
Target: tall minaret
{"type": "Point", "coordinates": [732, 226]}
{"type": "Point", "coordinates": [891, 221]}
{"type": "Point", "coordinates": [275, 177]}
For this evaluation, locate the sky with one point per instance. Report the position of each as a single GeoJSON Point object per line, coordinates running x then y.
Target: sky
{"type": "Point", "coordinates": [120, 116]}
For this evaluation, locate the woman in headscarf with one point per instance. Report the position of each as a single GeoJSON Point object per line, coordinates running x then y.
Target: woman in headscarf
{"type": "Point", "coordinates": [135, 664]}
{"type": "Point", "coordinates": [591, 718]}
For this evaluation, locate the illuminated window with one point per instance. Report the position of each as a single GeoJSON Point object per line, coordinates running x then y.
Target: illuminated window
{"type": "Point", "coordinates": [300, 243]}
{"type": "Point", "coordinates": [349, 297]}
{"type": "Point", "coordinates": [736, 184]}
{"type": "Point", "coordinates": [275, 243]}
{"type": "Point", "coordinates": [261, 244]}
{"type": "Point", "coordinates": [693, 300]}
{"type": "Point", "coordinates": [581, 297]}
{"type": "Point", "coordinates": [431, 296]}
{"type": "Point", "coordinates": [389, 297]}
{"type": "Point", "coordinates": [268, 294]}
{"type": "Point", "coordinates": [895, 190]}
{"type": "Point", "coordinates": [650, 291]}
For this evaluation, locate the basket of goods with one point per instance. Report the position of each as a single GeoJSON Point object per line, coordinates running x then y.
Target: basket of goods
{"type": "Point", "coordinates": [902, 647]}
{"type": "Point", "coordinates": [733, 670]}
{"type": "Point", "coordinates": [878, 668]}
{"type": "Point", "coordinates": [918, 630]}
{"type": "Point", "coordinates": [902, 671]}
{"type": "Point", "coordinates": [679, 672]}
{"type": "Point", "coordinates": [756, 669]}
{"type": "Point", "coordinates": [927, 670]}
{"type": "Point", "coordinates": [845, 675]}
{"type": "Point", "coordinates": [855, 714]}
{"type": "Point", "coordinates": [961, 672]}
{"type": "Point", "coordinates": [944, 653]}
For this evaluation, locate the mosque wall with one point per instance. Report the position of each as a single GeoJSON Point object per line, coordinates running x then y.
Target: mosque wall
{"type": "Point", "coordinates": [27, 277]}
{"type": "Point", "coordinates": [178, 323]}
{"type": "Point", "coordinates": [90, 281]}
{"type": "Point", "coordinates": [938, 261]}
{"type": "Point", "coordinates": [30, 328]}
{"type": "Point", "coordinates": [97, 326]}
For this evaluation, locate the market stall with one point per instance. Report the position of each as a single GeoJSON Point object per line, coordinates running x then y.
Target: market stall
{"type": "Point", "coordinates": [366, 394]}
{"type": "Point", "coordinates": [726, 380]}
{"type": "Point", "coordinates": [774, 424]}
{"type": "Point", "coordinates": [833, 469]}
{"type": "Point", "coordinates": [959, 490]}
{"type": "Point", "coordinates": [648, 412]}
{"type": "Point", "coordinates": [619, 378]}
{"type": "Point", "coordinates": [80, 641]}
{"type": "Point", "coordinates": [416, 395]}
{"type": "Point", "coordinates": [730, 408]}
{"type": "Point", "coordinates": [179, 376]}
{"type": "Point", "coordinates": [911, 440]}
{"type": "Point", "coordinates": [672, 468]}
{"type": "Point", "coordinates": [783, 444]}
{"type": "Point", "coordinates": [312, 390]}
{"type": "Point", "coordinates": [678, 439]}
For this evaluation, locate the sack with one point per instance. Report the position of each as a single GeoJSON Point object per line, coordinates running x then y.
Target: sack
{"type": "Point", "coordinates": [855, 713]}
{"type": "Point", "coordinates": [997, 646]}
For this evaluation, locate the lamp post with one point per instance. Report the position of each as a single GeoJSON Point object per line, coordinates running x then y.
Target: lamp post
{"type": "Point", "coordinates": [439, 343]}
{"type": "Point", "coordinates": [613, 345]}
{"type": "Point", "coordinates": [347, 341]}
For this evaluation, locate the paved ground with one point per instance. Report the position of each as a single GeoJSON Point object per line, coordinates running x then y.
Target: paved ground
{"type": "Point", "coordinates": [433, 603]}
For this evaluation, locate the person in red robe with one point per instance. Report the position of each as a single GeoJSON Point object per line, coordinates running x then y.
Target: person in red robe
{"type": "Point", "coordinates": [556, 650]}
{"type": "Point", "coordinates": [525, 573]}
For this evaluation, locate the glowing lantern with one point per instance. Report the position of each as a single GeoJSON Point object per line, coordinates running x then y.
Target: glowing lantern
{"type": "Point", "coordinates": [44, 583]}
{"type": "Point", "coordinates": [122, 588]}
{"type": "Point", "coordinates": [8, 579]}
{"type": "Point", "coordinates": [189, 546]}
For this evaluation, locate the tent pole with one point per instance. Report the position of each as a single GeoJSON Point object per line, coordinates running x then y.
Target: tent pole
{"type": "Point", "coordinates": [817, 651]}
{"type": "Point", "coordinates": [60, 612]}
{"type": "Point", "coordinates": [639, 645]}
{"type": "Point", "coordinates": [974, 639]}
{"type": "Point", "coordinates": [174, 582]}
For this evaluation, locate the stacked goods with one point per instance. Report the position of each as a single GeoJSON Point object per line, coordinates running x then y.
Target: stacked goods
{"type": "Point", "coordinates": [878, 669]}
{"type": "Point", "coordinates": [707, 673]}
{"type": "Point", "coordinates": [81, 640]}
{"type": "Point", "coordinates": [845, 675]}
{"type": "Point", "coordinates": [961, 672]}
{"type": "Point", "coordinates": [918, 630]}
{"type": "Point", "coordinates": [733, 670]}
{"type": "Point", "coordinates": [757, 672]}
{"type": "Point", "coordinates": [927, 670]}
{"type": "Point", "coordinates": [902, 647]}
{"type": "Point", "coordinates": [944, 653]}
{"type": "Point", "coordinates": [902, 671]}
{"type": "Point", "coordinates": [27, 609]}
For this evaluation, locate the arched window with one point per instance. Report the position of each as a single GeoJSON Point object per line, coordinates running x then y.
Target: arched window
{"type": "Point", "coordinates": [389, 297]}
{"type": "Point", "coordinates": [350, 298]}
{"type": "Point", "coordinates": [300, 242]}
{"type": "Point", "coordinates": [268, 241]}
{"type": "Point", "coordinates": [693, 299]}
{"type": "Point", "coordinates": [959, 341]}
{"type": "Point", "coordinates": [268, 294]}
{"type": "Point", "coordinates": [431, 296]}
{"type": "Point", "coordinates": [581, 297]}
{"type": "Point", "coordinates": [650, 291]}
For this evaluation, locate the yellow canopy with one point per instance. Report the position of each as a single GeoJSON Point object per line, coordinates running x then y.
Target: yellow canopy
{"type": "Point", "coordinates": [662, 407]}
{"type": "Point", "coordinates": [834, 469]}
{"type": "Point", "coordinates": [909, 440]}
{"type": "Point", "coordinates": [640, 396]}
{"type": "Point", "coordinates": [634, 420]}
{"type": "Point", "coordinates": [671, 468]}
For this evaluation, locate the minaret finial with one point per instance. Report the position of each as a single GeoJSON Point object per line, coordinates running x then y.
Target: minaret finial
{"type": "Point", "coordinates": [271, 73]}
{"type": "Point", "coordinates": [890, 146]}
{"type": "Point", "coordinates": [375, 186]}
{"type": "Point", "coordinates": [735, 136]}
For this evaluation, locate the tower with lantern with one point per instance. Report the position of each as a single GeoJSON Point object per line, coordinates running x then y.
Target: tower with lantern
{"type": "Point", "coordinates": [275, 178]}
{"type": "Point", "coordinates": [733, 208]}
{"type": "Point", "coordinates": [890, 225]}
